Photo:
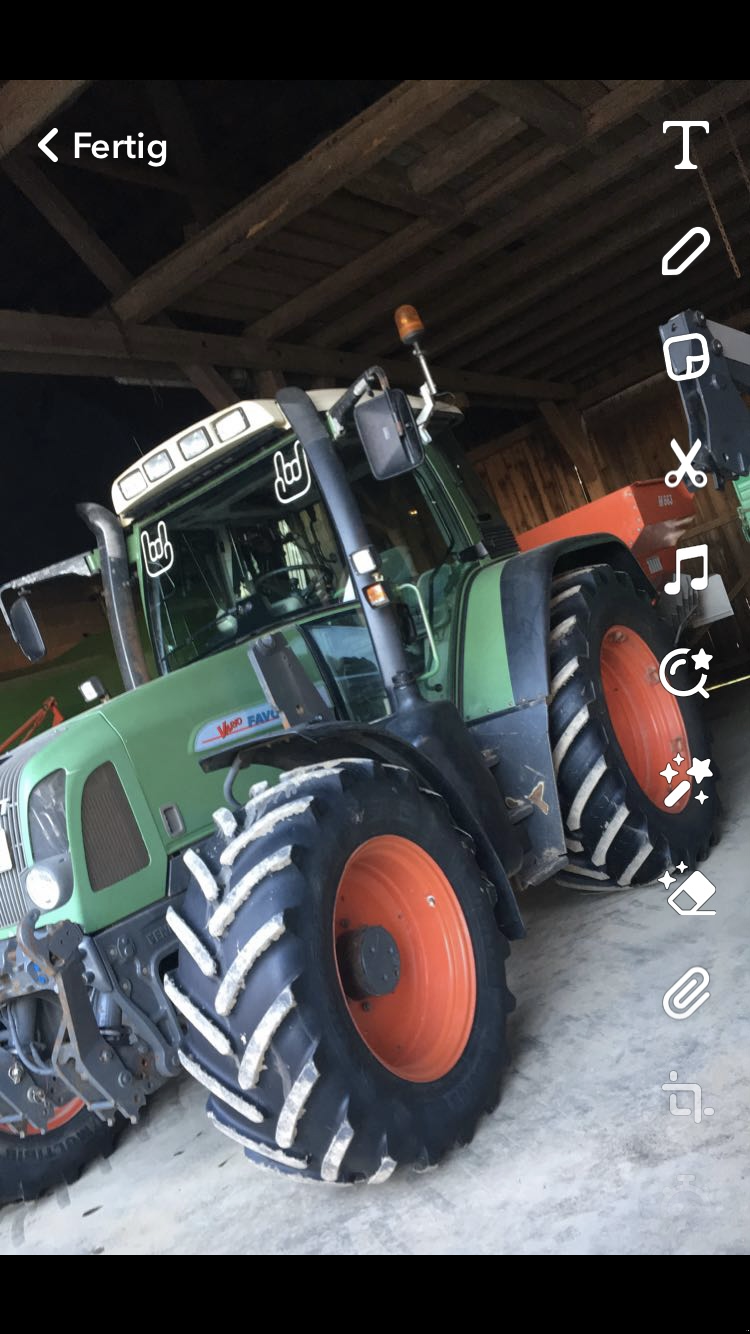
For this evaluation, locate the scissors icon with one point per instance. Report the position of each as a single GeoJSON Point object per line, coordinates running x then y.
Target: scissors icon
{"type": "Point", "coordinates": [696, 477]}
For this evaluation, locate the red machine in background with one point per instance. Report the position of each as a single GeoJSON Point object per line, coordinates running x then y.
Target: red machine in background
{"type": "Point", "coordinates": [649, 516]}
{"type": "Point", "coordinates": [48, 711]}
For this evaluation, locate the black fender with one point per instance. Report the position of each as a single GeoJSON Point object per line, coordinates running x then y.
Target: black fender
{"type": "Point", "coordinates": [519, 738]}
{"type": "Point", "coordinates": [432, 741]}
{"type": "Point", "coordinates": [525, 587]}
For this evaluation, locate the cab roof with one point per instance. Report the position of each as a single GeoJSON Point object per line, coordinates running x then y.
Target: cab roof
{"type": "Point", "coordinates": [141, 485]}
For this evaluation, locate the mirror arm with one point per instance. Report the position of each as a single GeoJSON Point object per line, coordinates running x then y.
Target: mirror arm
{"type": "Point", "coordinates": [373, 378]}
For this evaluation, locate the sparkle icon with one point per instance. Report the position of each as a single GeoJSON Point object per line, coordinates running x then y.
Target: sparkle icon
{"type": "Point", "coordinates": [678, 758]}
{"type": "Point", "coordinates": [669, 773]}
{"type": "Point", "coordinates": [701, 797]}
{"type": "Point", "coordinates": [700, 769]}
{"type": "Point", "coordinates": [666, 880]}
{"type": "Point", "coordinates": [681, 867]}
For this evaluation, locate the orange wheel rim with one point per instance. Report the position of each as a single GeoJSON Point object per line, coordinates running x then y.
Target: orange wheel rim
{"type": "Point", "coordinates": [647, 720]}
{"type": "Point", "coordinates": [419, 1031]}
{"type": "Point", "coordinates": [64, 1113]}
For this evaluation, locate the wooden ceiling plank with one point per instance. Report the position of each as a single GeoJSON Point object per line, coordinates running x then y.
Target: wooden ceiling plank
{"type": "Point", "coordinates": [388, 184]}
{"type": "Point", "coordinates": [392, 251]}
{"type": "Point", "coordinates": [86, 338]}
{"type": "Point", "coordinates": [592, 223]}
{"type": "Point", "coordinates": [493, 237]}
{"type": "Point", "coordinates": [326, 168]}
{"type": "Point", "coordinates": [536, 104]}
{"type": "Point", "coordinates": [463, 149]}
{"type": "Point", "coordinates": [28, 104]}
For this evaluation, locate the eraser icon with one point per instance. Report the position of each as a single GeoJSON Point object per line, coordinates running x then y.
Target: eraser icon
{"type": "Point", "coordinates": [699, 889]}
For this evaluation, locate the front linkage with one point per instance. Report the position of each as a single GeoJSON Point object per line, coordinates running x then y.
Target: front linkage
{"type": "Point", "coordinates": [111, 1038]}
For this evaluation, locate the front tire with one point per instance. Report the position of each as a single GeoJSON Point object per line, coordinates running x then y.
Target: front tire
{"type": "Point", "coordinates": [33, 1163]}
{"type": "Point", "coordinates": [613, 729]}
{"type": "Point", "coordinates": [314, 1075]}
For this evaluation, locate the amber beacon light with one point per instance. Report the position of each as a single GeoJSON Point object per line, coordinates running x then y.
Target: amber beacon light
{"type": "Point", "coordinates": [408, 324]}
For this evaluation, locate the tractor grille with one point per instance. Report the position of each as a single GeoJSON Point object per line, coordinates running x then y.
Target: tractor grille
{"type": "Point", "coordinates": [13, 901]}
{"type": "Point", "coordinates": [111, 838]}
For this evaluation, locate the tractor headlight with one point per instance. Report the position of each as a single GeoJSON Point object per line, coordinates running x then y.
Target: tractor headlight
{"type": "Point", "coordinates": [158, 466]}
{"type": "Point", "coordinates": [48, 828]}
{"type": "Point", "coordinates": [132, 485]}
{"type": "Point", "coordinates": [231, 424]}
{"type": "Point", "coordinates": [194, 443]}
{"type": "Point", "coordinates": [50, 883]}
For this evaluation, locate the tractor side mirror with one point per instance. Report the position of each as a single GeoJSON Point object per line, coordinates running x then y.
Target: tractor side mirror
{"type": "Point", "coordinates": [389, 434]}
{"type": "Point", "coordinates": [25, 630]}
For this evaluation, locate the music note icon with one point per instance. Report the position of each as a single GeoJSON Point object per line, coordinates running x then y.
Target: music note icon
{"type": "Point", "coordinates": [697, 581]}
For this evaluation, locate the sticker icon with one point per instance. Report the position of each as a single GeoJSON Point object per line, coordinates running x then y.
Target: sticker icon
{"type": "Point", "coordinates": [697, 478]}
{"type": "Point", "coordinates": [687, 994]}
{"type": "Point", "coordinates": [670, 272]}
{"type": "Point", "coordinates": [292, 475]}
{"type": "Point", "coordinates": [697, 581]}
{"type": "Point", "coordinates": [158, 552]}
{"type": "Point", "coordinates": [694, 365]}
{"type": "Point", "coordinates": [697, 1111]}
{"type": "Point", "coordinates": [676, 658]}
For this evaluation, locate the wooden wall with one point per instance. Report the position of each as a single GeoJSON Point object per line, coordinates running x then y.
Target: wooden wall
{"type": "Point", "coordinates": [533, 480]}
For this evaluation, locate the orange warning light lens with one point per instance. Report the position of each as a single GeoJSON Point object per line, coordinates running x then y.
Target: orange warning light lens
{"type": "Point", "coordinates": [376, 595]}
{"type": "Point", "coordinates": [408, 324]}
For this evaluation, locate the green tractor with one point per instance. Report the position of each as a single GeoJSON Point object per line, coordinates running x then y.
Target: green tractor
{"type": "Point", "coordinates": [427, 720]}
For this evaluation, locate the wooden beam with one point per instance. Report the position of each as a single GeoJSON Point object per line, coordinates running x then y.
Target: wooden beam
{"type": "Point", "coordinates": [543, 207]}
{"type": "Point", "coordinates": [569, 429]}
{"type": "Point", "coordinates": [268, 383]}
{"type": "Point", "coordinates": [386, 184]}
{"type": "Point", "coordinates": [97, 257]}
{"type": "Point", "coordinates": [185, 149]}
{"type": "Point", "coordinates": [99, 338]}
{"type": "Point", "coordinates": [67, 222]}
{"type": "Point", "coordinates": [394, 249]}
{"type": "Point", "coordinates": [56, 363]}
{"type": "Point", "coordinates": [538, 105]}
{"type": "Point", "coordinates": [463, 149]}
{"type": "Point", "coordinates": [361, 143]}
{"type": "Point", "coordinates": [27, 104]}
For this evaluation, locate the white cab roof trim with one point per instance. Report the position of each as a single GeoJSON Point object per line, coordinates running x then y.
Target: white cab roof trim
{"type": "Point", "coordinates": [260, 414]}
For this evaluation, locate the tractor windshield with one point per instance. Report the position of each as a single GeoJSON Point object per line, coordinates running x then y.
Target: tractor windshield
{"type": "Point", "coordinates": [257, 549]}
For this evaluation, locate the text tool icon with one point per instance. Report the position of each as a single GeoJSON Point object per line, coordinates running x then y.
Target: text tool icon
{"type": "Point", "coordinates": [686, 994]}
{"type": "Point", "coordinates": [698, 1111]}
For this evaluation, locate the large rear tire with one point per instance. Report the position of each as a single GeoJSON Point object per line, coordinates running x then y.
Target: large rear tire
{"type": "Point", "coordinates": [308, 1067]}
{"type": "Point", "coordinates": [613, 729]}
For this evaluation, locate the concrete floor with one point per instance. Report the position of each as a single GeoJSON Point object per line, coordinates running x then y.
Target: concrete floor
{"type": "Point", "coordinates": [583, 1156]}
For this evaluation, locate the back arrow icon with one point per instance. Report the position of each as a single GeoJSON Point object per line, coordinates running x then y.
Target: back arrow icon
{"type": "Point", "coordinates": [43, 145]}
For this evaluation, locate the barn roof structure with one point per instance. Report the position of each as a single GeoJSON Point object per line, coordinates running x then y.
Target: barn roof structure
{"type": "Point", "coordinates": [526, 218]}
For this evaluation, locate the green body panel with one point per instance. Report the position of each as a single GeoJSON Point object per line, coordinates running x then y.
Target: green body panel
{"type": "Point", "coordinates": [485, 680]}
{"type": "Point", "coordinates": [78, 747]}
{"type": "Point", "coordinates": [742, 488]}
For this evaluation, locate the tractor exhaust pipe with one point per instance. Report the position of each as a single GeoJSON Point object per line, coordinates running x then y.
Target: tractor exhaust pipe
{"type": "Point", "coordinates": [118, 596]}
